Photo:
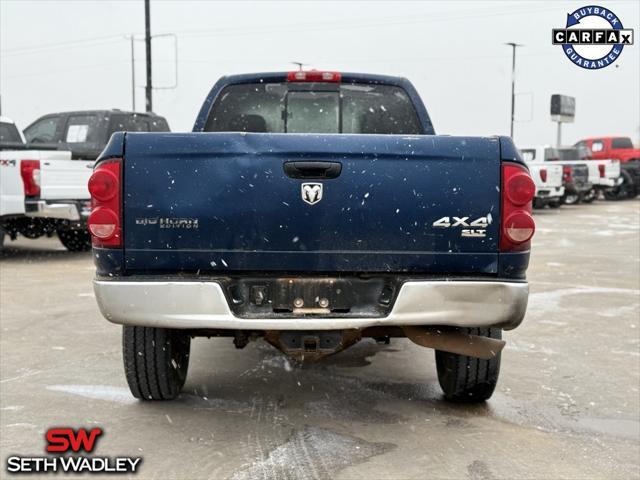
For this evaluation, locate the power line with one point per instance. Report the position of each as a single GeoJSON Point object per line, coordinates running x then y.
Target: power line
{"type": "Point", "coordinates": [345, 24]}
{"type": "Point", "coordinates": [65, 70]}
{"type": "Point", "coordinates": [68, 44]}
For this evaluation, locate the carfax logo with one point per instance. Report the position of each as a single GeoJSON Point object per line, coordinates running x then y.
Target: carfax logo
{"type": "Point", "coordinates": [65, 441]}
{"type": "Point", "coordinates": [593, 37]}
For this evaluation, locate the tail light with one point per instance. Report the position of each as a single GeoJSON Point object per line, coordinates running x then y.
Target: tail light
{"type": "Point", "coordinates": [567, 173]}
{"type": "Point", "coordinates": [105, 219]}
{"type": "Point", "coordinates": [313, 76]}
{"type": "Point", "coordinates": [543, 174]}
{"type": "Point", "coordinates": [30, 173]}
{"type": "Point", "coordinates": [517, 223]}
{"type": "Point", "coordinates": [601, 168]}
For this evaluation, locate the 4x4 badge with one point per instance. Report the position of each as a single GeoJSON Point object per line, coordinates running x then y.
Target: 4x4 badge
{"type": "Point", "coordinates": [311, 192]}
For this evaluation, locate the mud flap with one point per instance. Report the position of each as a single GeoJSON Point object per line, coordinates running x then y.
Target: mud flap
{"type": "Point", "coordinates": [455, 342]}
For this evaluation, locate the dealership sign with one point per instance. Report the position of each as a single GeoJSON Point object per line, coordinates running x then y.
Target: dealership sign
{"type": "Point", "coordinates": [563, 108]}
{"type": "Point", "coordinates": [593, 37]}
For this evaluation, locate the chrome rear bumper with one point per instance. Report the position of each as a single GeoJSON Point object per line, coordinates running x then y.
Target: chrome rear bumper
{"type": "Point", "coordinates": [550, 192]}
{"type": "Point", "coordinates": [194, 305]}
{"type": "Point", "coordinates": [63, 210]}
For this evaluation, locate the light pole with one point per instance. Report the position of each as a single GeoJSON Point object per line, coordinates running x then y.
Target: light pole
{"type": "Point", "coordinates": [132, 38]}
{"type": "Point", "coordinates": [133, 72]}
{"type": "Point", "coordinates": [147, 38]}
{"type": "Point", "coordinates": [513, 81]}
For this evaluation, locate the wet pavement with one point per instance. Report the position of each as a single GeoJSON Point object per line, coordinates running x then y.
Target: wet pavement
{"type": "Point", "coordinates": [567, 404]}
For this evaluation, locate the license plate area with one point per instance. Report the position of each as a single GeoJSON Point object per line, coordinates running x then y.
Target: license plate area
{"type": "Point", "coordinates": [318, 296]}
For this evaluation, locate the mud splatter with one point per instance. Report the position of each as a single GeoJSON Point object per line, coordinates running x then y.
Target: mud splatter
{"type": "Point", "coordinates": [479, 470]}
{"type": "Point", "coordinates": [312, 454]}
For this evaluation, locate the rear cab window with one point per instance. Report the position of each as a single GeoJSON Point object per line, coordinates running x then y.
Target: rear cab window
{"type": "Point", "coordinates": [9, 133]}
{"type": "Point", "coordinates": [528, 154]}
{"type": "Point", "coordinates": [86, 128]}
{"type": "Point", "coordinates": [137, 123]}
{"type": "Point", "coordinates": [551, 154]}
{"type": "Point", "coordinates": [621, 142]}
{"type": "Point", "coordinates": [158, 124]}
{"type": "Point", "coordinates": [43, 130]}
{"type": "Point", "coordinates": [572, 153]}
{"type": "Point", "coordinates": [314, 108]}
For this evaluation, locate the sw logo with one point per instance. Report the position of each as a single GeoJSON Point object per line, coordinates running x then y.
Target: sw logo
{"type": "Point", "coordinates": [65, 440]}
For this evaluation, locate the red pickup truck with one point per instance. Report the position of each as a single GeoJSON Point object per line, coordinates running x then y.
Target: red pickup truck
{"type": "Point", "coordinates": [622, 149]}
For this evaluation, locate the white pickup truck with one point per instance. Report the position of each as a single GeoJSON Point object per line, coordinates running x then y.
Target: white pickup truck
{"type": "Point", "coordinates": [548, 181]}
{"type": "Point", "coordinates": [42, 192]}
{"type": "Point", "coordinates": [46, 187]}
{"type": "Point", "coordinates": [603, 174]}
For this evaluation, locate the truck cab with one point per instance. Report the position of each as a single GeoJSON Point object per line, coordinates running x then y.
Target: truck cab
{"type": "Point", "coordinates": [85, 133]}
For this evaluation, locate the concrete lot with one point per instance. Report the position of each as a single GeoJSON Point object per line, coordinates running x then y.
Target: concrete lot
{"type": "Point", "coordinates": [567, 404]}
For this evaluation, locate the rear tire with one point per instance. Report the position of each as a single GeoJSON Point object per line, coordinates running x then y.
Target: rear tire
{"type": "Point", "coordinates": [156, 361]}
{"type": "Point", "coordinates": [571, 198]}
{"type": "Point", "coordinates": [538, 203]}
{"type": "Point", "coordinates": [624, 191]}
{"type": "Point", "coordinates": [468, 379]}
{"type": "Point", "coordinates": [75, 240]}
{"type": "Point", "coordinates": [589, 196]}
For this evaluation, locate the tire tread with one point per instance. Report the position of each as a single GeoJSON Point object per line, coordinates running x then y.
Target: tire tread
{"type": "Point", "coordinates": [468, 379]}
{"type": "Point", "coordinates": [148, 355]}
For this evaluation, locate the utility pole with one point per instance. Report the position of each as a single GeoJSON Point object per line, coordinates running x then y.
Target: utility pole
{"type": "Point", "coordinates": [133, 73]}
{"type": "Point", "coordinates": [513, 82]}
{"type": "Point", "coordinates": [147, 39]}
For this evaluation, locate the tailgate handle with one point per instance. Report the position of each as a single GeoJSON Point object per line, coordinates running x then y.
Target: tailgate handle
{"type": "Point", "coordinates": [315, 170]}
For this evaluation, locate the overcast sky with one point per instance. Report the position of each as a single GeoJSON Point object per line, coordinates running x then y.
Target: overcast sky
{"type": "Point", "coordinates": [73, 55]}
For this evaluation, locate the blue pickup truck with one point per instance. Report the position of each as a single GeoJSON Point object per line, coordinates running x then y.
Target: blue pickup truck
{"type": "Point", "coordinates": [311, 209]}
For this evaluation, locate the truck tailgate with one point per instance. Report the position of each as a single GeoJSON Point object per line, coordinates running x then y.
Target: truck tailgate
{"type": "Point", "coordinates": [554, 176]}
{"type": "Point", "coordinates": [65, 179]}
{"type": "Point", "coordinates": [222, 202]}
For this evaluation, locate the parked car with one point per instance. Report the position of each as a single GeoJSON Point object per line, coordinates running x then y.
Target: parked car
{"type": "Point", "coordinates": [46, 192]}
{"type": "Point", "coordinates": [575, 174]}
{"type": "Point", "coordinates": [42, 192]}
{"type": "Point", "coordinates": [311, 209]}
{"type": "Point", "coordinates": [621, 149]}
{"type": "Point", "coordinates": [548, 179]}
{"type": "Point", "coordinates": [85, 133]}
{"type": "Point", "coordinates": [604, 175]}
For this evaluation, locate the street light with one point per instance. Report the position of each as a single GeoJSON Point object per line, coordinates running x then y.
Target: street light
{"type": "Point", "coordinates": [131, 38]}
{"type": "Point", "coordinates": [513, 80]}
